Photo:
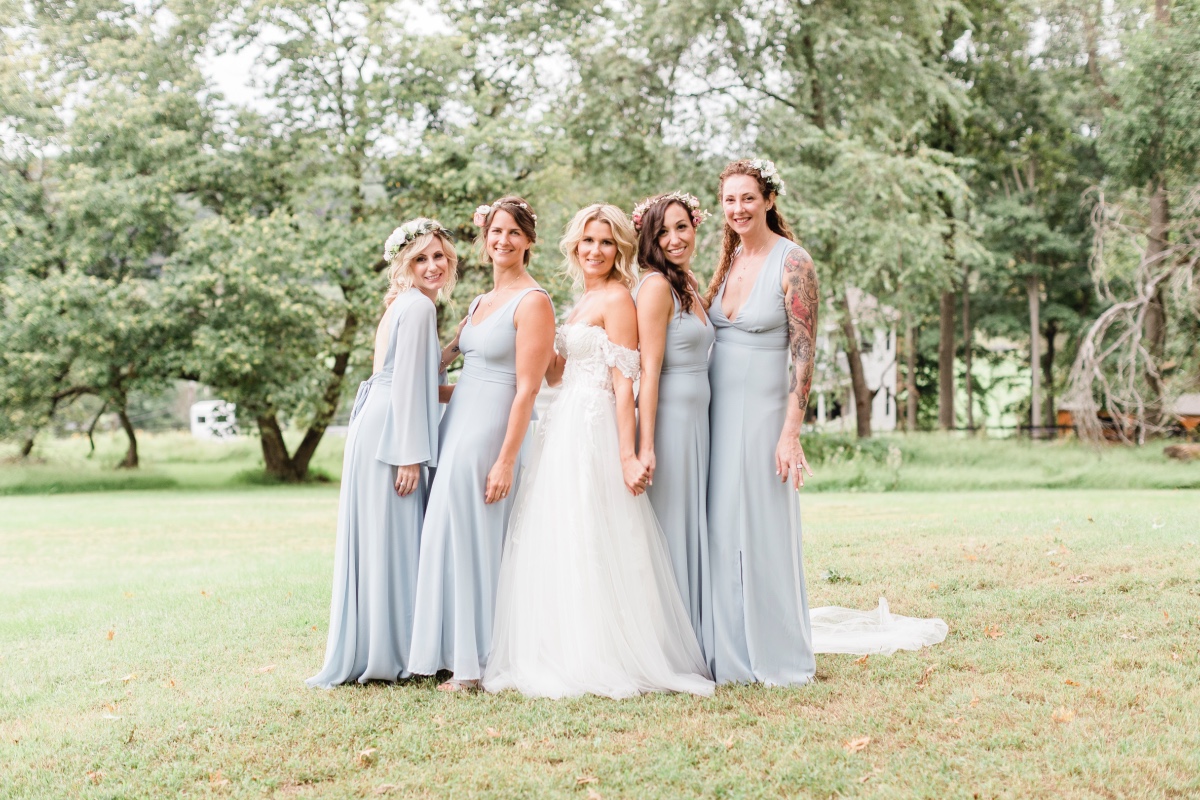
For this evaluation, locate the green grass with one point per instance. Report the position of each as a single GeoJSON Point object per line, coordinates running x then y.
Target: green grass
{"type": "Point", "coordinates": [938, 462]}
{"type": "Point", "coordinates": [168, 461]}
{"type": "Point", "coordinates": [154, 644]}
{"type": "Point", "coordinates": [918, 463]}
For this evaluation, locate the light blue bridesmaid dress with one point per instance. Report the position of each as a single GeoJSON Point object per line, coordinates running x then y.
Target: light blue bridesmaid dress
{"type": "Point", "coordinates": [757, 600]}
{"type": "Point", "coordinates": [463, 537]}
{"type": "Point", "coordinates": [681, 446]}
{"type": "Point", "coordinates": [394, 423]}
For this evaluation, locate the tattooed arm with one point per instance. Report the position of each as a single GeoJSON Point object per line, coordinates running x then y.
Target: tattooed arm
{"type": "Point", "coordinates": [800, 301]}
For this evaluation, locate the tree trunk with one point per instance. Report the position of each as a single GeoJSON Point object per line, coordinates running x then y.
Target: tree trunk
{"type": "Point", "coordinates": [863, 397]}
{"type": "Point", "coordinates": [1035, 373]}
{"type": "Point", "coordinates": [967, 337]}
{"type": "Point", "coordinates": [1049, 419]}
{"type": "Point", "coordinates": [275, 455]}
{"type": "Point", "coordinates": [329, 400]}
{"type": "Point", "coordinates": [27, 448]}
{"type": "Point", "coordinates": [946, 363]}
{"type": "Point", "coordinates": [910, 378]}
{"type": "Point", "coordinates": [1154, 329]}
{"type": "Point", "coordinates": [131, 455]}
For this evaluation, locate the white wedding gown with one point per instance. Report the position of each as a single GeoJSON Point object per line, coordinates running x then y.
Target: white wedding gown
{"type": "Point", "coordinates": [587, 600]}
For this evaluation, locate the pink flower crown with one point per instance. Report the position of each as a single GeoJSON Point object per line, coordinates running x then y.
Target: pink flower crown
{"type": "Point", "coordinates": [481, 213]}
{"type": "Point", "coordinates": [690, 201]}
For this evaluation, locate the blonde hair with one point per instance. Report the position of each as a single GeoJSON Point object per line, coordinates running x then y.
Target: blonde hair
{"type": "Point", "coordinates": [731, 240]}
{"type": "Point", "coordinates": [400, 276]}
{"type": "Point", "coordinates": [625, 264]}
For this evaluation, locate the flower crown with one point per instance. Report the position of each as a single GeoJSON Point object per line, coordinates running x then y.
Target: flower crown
{"type": "Point", "coordinates": [481, 213]}
{"type": "Point", "coordinates": [405, 234]}
{"type": "Point", "coordinates": [769, 174]}
{"type": "Point", "coordinates": [690, 201]}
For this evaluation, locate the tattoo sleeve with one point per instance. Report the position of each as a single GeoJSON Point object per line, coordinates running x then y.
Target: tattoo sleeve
{"type": "Point", "coordinates": [801, 301]}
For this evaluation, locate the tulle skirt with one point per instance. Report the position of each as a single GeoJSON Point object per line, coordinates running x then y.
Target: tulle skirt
{"type": "Point", "coordinates": [587, 600]}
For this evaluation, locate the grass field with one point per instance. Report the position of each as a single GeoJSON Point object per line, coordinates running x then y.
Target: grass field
{"type": "Point", "coordinates": [154, 644]}
{"type": "Point", "coordinates": [921, 462]}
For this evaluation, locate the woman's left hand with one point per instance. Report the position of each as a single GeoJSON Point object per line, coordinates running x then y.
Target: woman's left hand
{"type": "Point", "coordinates": [789, 459]}
{"type": "Point", "coordinates": [499, 482]}
{"type": "Point", "coordinates": [634, 473]}
{"type": "Point", "coordinates": [407, 478]}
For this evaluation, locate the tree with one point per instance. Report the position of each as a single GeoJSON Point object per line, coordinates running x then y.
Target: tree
{"type": "Point", "coordinates": [1150, 143]}
{"type": "Point", "coordinates": [95, 206]}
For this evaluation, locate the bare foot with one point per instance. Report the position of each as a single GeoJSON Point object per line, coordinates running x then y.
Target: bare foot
{"type": "Point", "coordinates": [454, 685]}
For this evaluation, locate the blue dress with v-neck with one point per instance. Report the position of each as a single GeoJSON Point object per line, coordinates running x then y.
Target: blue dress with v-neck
{"type": "Point", "coordinates": [463, 537]}
{"type": "Point", "coordinates": [757, 599]}
{"type": "Point", "coordinates": [681, 446]}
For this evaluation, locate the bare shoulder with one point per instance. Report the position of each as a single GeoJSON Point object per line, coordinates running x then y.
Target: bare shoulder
{"type": "Point", "coordinates": [799, 274]}
{"type": "Point", "coordinates": [534, 306]}
{"type": "Point", "coordinates": [797, 260]}
{"type": "Point", "coordinates": [656, 293]}
{"type": "Point", "coordinates": [618, 299]}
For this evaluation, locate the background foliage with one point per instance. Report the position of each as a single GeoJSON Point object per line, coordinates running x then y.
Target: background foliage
{"type": "Point", "coordinates": [950, 158]}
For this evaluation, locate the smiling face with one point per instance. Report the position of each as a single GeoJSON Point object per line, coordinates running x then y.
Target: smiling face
{"type": "Point", "coordinates": [597, 250]}
{"type": "Point", "coordinates": [677, 237]}
{"type": "Point", "coordinates": [506, 244]}
{"type": "Point", "coordinates": [430, 267]}
{"type": "Point", "coordinates": [743, 203]}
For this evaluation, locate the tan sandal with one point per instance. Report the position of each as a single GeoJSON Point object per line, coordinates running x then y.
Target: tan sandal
{"type": "Point", "coordinates": [455, 685]}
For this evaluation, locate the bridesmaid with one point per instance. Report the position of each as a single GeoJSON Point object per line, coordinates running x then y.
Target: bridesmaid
{"type": "Point", "coordinates": [391, 443]}
{"type": "Point", "coordinates": [763, 303]}
{"type": "Point", "coordinates": [673, 399]}
{"type": "Point", "coordinates": [507, 342]}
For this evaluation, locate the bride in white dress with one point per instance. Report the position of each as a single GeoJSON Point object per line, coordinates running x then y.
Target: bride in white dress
{"type": "Point", "coordinates": [587, 600]}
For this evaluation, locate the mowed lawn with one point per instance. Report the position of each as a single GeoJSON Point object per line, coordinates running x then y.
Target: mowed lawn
{"type": "Point", "coordinates": [154, 644]}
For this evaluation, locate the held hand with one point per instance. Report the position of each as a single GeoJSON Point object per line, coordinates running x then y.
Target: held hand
{"type": "Point", "coordinates": [649, 462]}
{"type": "Point", "coordinates": [499, 482]}
{"type": "Point", "coordinates": [634, 472]}
{"type": "Point", "coordinates": [790, 461]}
{"type": "Point", "coordinates": [407, 479]}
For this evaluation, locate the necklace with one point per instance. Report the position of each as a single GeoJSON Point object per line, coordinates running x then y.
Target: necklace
{"type": "Point", "coordinates": [494, 293]}
{"type": "Point", "coordinates": [747, 257]}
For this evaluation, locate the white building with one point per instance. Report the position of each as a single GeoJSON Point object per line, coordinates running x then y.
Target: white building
{"type": "Point", "coordinates": [213, 419]}
{"type": "Point", "coordinates": [835, 403]}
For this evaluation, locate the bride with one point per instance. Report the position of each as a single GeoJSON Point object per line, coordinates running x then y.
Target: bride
{"type": "Point", "coordinates": [587, 600]}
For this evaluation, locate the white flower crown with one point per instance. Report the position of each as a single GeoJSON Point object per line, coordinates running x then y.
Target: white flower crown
{"type": "Point", "coordinates": [481, 213]}
{"type": "Point", "coordinates": [407, 232]}
{"type": "Point", "coordinates": [770, 174]}
{"type": "Point", "coordinates": [689, 200]}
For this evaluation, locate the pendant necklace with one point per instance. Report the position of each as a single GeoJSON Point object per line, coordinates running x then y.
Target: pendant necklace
{"type": "Point", "coordinates": [495, 292]}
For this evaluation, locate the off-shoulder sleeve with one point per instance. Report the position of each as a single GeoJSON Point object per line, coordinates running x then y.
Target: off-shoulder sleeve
{"type": "Point", "coordinates": [629, 362]}
{"type": "Point", "coordinates": [410, 429]}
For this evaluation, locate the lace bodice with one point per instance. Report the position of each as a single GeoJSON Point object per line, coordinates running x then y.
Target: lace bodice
{"type": "Point", "coordinates": [591, 356]}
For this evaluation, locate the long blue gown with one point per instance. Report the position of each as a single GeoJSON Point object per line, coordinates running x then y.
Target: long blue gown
{"type": "Point", "coordinates": [681, 448]}
{"type": "Point", "coordinates": [757, 600]}
{"type": "Point", "coordinates": [394, 423]}
{"type": "Point", "coordinates": [463, 537]}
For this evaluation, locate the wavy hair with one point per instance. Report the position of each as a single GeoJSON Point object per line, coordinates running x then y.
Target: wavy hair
{"type": "Point", "coordinates": [521, 212]}
{"type": "Point", "coordinates": [400, 275]}
{"type": "Point", "coordinates": [625, 264]}
{"type": "Point", "coordinates": [651, 255]}
{"type": "Point", "coordinates": [730, 241]}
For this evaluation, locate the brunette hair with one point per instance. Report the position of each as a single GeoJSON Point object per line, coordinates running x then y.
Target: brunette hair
{"type": "Point", "coordinates": [521, 212]}
{"type": "Point", "coordinates": [731, 240]}
{"type": "Point", "coordinates": [400, 276]}
{"type": "Point", "coordinates": [651, 256]}
{"type": "Point", "coordinates": [625, 264]}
